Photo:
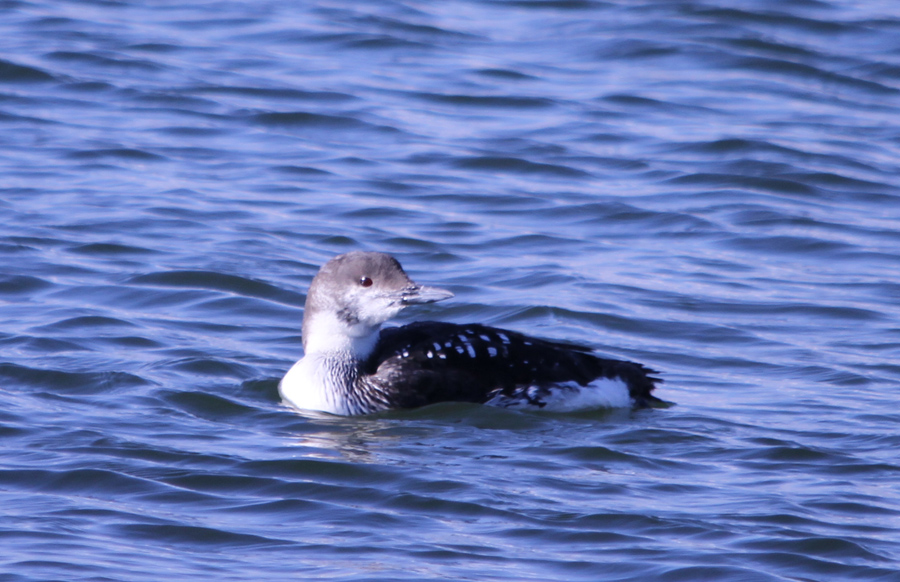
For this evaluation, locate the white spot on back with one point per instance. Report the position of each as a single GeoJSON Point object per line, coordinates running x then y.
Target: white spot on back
{"type": "Point", "coordinates": [465, 340]}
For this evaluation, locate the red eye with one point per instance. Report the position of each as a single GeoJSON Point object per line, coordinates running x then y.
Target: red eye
{"type": "Point", "coordinates": [365, 282]}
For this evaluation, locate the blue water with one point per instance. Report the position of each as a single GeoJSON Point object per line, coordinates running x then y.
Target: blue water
{"type": "Point", "coordinates": [709, 188]}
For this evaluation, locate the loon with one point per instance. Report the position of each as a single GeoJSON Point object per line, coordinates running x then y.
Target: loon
{"type": "Point", "coordinates": [352, 366]}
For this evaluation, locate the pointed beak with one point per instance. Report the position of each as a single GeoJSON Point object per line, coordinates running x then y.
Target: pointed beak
{"type": "Point", "coordinates": [421, 294]}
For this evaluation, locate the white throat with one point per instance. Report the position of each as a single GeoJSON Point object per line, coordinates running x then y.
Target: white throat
{"type": "Point", "coordinates": [325, 333]}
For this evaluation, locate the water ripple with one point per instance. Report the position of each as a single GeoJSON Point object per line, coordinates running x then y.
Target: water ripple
{"type": "Point", "coordinates": [216, 282]}
{"type": "Point", "coordinates": [11, 72]}
{"type": "Point", "coordinates": [706, 189]}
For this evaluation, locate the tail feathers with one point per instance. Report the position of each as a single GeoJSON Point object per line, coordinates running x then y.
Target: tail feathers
{"type": "Point", "coordinates": [637, 377]}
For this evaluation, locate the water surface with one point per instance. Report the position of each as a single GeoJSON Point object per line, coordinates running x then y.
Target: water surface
{"type": "Point", "coordinates": [706, 188]}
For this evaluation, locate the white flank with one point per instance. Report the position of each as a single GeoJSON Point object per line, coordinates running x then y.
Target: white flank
{"type": "Point", "coordinates": [570, 397]}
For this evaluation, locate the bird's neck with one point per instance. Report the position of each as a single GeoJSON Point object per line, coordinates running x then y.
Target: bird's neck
{"type": "Point", "coordinates": [327, 336]}
{"type": "Point", "coordinates": [328, 376]}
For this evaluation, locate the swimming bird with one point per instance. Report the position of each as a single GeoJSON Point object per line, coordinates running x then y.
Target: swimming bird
{"type": "Point", "coordinates": [353, 366]}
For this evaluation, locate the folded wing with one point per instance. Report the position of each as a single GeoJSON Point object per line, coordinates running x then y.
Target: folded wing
{"type": "Point", "coordinates": [428, 362]}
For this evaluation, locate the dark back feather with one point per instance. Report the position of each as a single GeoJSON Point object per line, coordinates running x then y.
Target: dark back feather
{"type": "Point", "coordinates": [427, 362]}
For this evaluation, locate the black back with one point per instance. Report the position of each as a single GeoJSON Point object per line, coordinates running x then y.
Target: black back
{"type": "Point", "coordinates": [427, 362]}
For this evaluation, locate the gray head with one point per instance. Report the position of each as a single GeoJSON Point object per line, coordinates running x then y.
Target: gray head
{"type": "Point", "coordinates": [354, 293]}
